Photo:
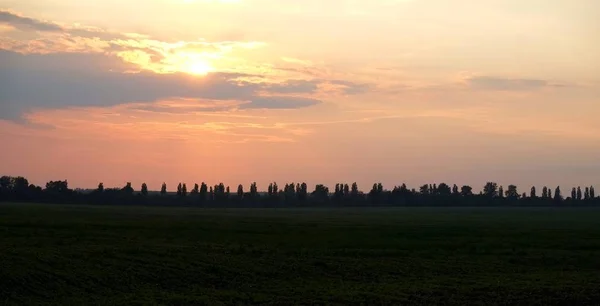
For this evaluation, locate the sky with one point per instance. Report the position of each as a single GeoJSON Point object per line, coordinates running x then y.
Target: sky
{"type": "Point", "coordinates": [323, 92]}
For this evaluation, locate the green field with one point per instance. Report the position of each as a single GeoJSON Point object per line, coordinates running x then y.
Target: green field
{"type": "Point", "coordinates": [76, 255]}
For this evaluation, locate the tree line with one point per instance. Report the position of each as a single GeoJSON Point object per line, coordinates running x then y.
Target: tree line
{"type": "Point", "coordinates": [18, 189]}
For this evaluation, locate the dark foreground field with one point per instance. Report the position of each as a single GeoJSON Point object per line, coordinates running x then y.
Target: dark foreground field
{"type": "Point", "coordinates": [72, 255]}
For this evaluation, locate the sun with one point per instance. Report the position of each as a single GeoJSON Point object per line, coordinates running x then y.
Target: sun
{"type": "Point", "coordinates": [199, 67]}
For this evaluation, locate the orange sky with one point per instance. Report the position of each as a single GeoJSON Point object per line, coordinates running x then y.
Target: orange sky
{"type": "Point", "coordinates": [391, 91]}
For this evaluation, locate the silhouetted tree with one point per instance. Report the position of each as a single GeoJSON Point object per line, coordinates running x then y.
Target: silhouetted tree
{"type": "Point", "coordinates": [512, 192]}
{"type": "Point", "coordinates": [56, 186]}
{"type": "Point", "coordinates": [490, 189]}
{"type": "Point", "coordinates": [303, 192]}
{"type": "Point", "coordinates": [240, 191]}
{"type": "Point", "coordinates": [127, 189]}
{"type": "Point", "coordinates": [587, 193]}
{"type": "Point", "coordinates": [424, 190]}
{"type": "Point", "coordinates": [18, 189]}
{"type": "Point", "coordinates": [203, 191]}
{"type": "Point", "coordinates": [321, 193]}
{"type": "Point", "coordinates": [5, 183]}
{"type": "Point", "coordinates": [557, 194]}
{"type": "Point", "coordinates": [338, 191]}
{"type": "Point", "coordinates": [354, 190]}
{"type": "Point", "coordinates": [592, 192]}
{"type": "Point", "coordinates": [466, 191]}
{"type": "Point", "coordinates": [196, 190]}
{"type": "Point", "coordinates": [179, 189]}
{"type": "Point", "coordinates": [443, 189]}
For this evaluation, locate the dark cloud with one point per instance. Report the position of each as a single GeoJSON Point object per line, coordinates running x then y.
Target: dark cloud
{"type": "Point", "coordinates": [27, 23]}
{"type": "Point", "coordinates": [504, 84]}
{"type": "Point", "coordinates": [279, 103]}
{"type": "Point", "coordinates": [295, 86]}
{"type": "Point", "coordinates": [63, 80]}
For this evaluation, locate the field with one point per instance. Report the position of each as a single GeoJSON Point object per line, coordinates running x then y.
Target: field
{"type": "Point", "coordinates": [78, 255]}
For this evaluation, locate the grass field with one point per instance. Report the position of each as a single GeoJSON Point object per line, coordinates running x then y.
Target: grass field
{"type": "Point", "coordinates": [76, 255]}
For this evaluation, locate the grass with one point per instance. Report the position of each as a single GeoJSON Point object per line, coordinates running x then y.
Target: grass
{"type": "Point", "coordinates": [81, 255]}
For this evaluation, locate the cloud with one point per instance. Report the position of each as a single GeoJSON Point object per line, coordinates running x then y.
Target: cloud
{"type": "Point", "coordinates": [63, 80]}
{"type": "Point", "coordinates": [294, 86]}
{"type": "Point", "coordinates": [26, 23]}
{"type": "Point", "coordinates": [505, 84]}
{"type": "Point", "coordinates": [351, 88]}
{"type": "Point", "coordinates": [279, 103]}
{"type": "Point", "coordinates": [297, 61]}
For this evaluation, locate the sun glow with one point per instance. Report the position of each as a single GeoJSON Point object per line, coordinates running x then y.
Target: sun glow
{"type": "Point", "coordinates": [198, 67]}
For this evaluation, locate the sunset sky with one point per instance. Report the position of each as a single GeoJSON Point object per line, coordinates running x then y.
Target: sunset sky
{"type": "Point", "coordinates": [391, 91]}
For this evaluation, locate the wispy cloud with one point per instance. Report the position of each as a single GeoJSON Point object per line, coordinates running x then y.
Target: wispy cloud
{"type": "Point", "coordinates": [280, 102]}
{"type": "Point", "coordinates": [26, 23]}
{"type": "Point", "coordinates": [507, 84]}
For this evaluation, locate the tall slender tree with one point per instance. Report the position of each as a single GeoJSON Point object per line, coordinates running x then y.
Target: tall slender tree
{"type": "Point", "coordinates": [354, 189]}
{"type": "Point", "coordinates": [240, 191]}
{"type": "Point", "coordinates": [587, 193]}
{"type": "Point", "coordinates": [557, 194]}
{"type": "Point", "coordinates": [203, 191]}
{"type": "Point", "coordinates": [144, 189]}
{"type": "Point", "coordinates": [270, 190]}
